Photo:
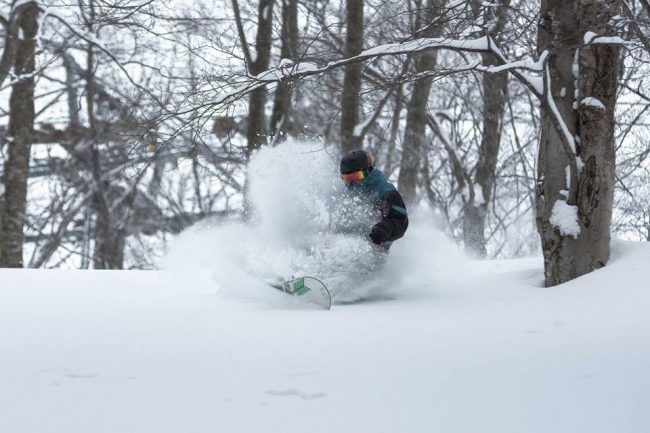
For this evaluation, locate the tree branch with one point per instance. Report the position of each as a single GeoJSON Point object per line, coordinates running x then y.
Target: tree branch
{"type": "Point", "coordinates": [635, 26]}
{"type": "Point", "coordinates": [462, 177]}
{"type": "Point", "coordinates": [90, 39]}
{"type": "Point", "coordinates": [242, 34]}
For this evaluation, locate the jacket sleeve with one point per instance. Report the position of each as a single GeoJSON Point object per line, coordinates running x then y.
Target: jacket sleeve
{"type": "Point", "coordinates": [394, 217]}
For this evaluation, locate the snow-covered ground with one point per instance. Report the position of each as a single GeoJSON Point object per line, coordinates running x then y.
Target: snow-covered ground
{"type": "Point", "coordinates": [434, 343]}
{"type": "Point", "coordinates": [139, 351]}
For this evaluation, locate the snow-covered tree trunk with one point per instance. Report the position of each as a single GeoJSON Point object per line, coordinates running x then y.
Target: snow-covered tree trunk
{"type": "Point", "coordinates": [352, 77]}
{"type": "Point", "coordinates": [416, 115]}
{"type": "Point", "coordinates": [21, 130]}
{"type": "Point", "coordinates": [575, 179]}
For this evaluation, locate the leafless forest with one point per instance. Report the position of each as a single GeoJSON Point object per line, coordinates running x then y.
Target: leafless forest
{"type": "Point", "coordinates": [522, 123]}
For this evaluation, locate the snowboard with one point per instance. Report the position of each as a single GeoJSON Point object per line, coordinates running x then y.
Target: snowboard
{"type": "Point", "coordinates": [308, 288]}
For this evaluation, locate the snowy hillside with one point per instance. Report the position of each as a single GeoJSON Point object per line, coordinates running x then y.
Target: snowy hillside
{"type": "Point", "coordinates": [480, 347]}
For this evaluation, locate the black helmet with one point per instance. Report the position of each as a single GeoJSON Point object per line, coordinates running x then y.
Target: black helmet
{"type": "Point", "coordinates": [357, 160]}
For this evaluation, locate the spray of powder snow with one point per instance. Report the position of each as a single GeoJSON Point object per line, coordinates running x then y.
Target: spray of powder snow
{"type": "Point", "coordinates": [305, 223]}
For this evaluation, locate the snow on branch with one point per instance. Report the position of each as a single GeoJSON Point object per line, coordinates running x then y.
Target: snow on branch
{"type": "Point", "coordinates": [591, 38]}
{"type": "Point", "coordinates": [539, 85]}
{"type": "Point", "coordinates": [415, 46]}
{"type": "Point", "coordinates": [294, 71]}
{"type": "Point", "coordinates": [535, 66]}
{"type": "Point", "coordinates": [286, 72]}
{"type": "Point", "coordinates": [593, 103]}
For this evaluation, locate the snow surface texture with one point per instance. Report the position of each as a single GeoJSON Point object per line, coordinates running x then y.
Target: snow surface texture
{"type": "Point", "coordinates": [487, 350]}
{"type": "Point", "coordinates": [305, 223]}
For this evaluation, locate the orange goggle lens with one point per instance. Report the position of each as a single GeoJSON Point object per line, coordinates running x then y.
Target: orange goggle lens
{"type": "Point", "coordinates": [354, 177]}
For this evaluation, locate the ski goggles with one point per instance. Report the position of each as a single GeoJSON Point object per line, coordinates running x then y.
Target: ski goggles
{"type": "Point", "coordinates": [354, 177]}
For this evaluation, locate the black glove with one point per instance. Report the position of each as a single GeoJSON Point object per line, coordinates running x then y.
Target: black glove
{"type": "Point", "coordinates": [378, 234]}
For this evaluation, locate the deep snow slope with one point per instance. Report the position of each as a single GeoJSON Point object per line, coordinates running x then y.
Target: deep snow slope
{"type": "Point", "coordinates": [480, 347]}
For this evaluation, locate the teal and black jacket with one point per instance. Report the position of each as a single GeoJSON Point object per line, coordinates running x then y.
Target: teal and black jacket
{"type": "Point", "coordinates": [388, 201]}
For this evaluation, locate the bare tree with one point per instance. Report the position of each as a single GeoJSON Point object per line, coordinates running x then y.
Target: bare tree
{"type": "Point", "coordinates": [282, 119]}
{"type": "Point", "coordinates": [416, 117]}
{"type": "Point", "coordinates": [21, 127]}
{"type": "Point", "coordinates": [495, 89]}
{"type": "Point", "coordinates": [352, 76]}
{"type": "Point", "coordinates": [257, 63]}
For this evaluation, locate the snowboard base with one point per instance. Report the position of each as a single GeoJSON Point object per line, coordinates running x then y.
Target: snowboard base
{"type": "Point", "coordinates": [309, 288]}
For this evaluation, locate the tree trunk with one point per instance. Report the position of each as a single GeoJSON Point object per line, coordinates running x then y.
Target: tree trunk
{"type": "Point", "coordinates": [256, 127]}
{"type": "Point", "coordinates": [74, 124]}
{"type": "Point", "coordinates": [352, 77]}
{"type": "Point", "coordinates": [389, 159]}
{"type": "Point", "coordinates": [109, 243]}
{"type": "Point", "coordinates": [416, 115]}
{"type": "Point", "coordinates": [108, 250]}
{"type": "Point", "coordinates": [281, 119]}
{"type": "Point", "coordinates": [21, 130]}
{"type": "Point", "coordinates": [495, 91]}
{"type": "Point", "coordinates": [495, 88]}
{"type": "Point", "coordinates": [575, 188]}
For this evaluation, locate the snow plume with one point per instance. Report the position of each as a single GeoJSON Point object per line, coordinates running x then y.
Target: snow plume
{"type": "Point", "coordinates": [290, 186]}
{"type": "Point", "coordinates": [305, 223]}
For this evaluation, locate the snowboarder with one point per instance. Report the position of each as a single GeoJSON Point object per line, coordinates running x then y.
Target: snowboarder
{"type": "Point", "coordinates": [364, 180]}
